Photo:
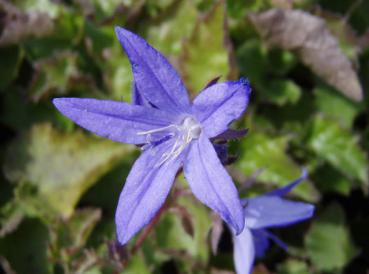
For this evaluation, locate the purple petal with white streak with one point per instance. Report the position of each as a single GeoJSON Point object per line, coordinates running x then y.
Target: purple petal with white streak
{"type": "Point", "coordinates": [211, 183]}
{"type": "Point", "coordinates": [144, 193]}
{"type": "Point", "coordinates": [117, 121]}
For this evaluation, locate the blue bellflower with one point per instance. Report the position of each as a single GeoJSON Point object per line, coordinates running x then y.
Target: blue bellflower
{"type": "Point", "coordinates": [173, 132]}
{"type": "Point", "coordinates": [269, 210]}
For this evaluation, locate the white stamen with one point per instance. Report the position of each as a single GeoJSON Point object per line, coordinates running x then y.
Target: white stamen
{"type": "Point", "coordinates": [183, 133]}
{"type": "Point", "coordinates": [156, 130]}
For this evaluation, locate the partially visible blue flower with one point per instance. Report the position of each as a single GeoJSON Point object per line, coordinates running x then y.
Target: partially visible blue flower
{"type": "Point", "coordinates": [173, 131]}
{"type": "Point", "coordinates": [269, 210]}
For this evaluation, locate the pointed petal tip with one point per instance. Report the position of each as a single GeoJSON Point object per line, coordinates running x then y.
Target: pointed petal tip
{"type": "Point", "coordinates": [59, 102]}
{"type": "Point", "coordinates": [56, 101]}
{"type": "Point", "coordinates": [246, 83]}
{"type": "Point", "coordinates": [120, 31]}
{"type": "Point", "coordinates": [123, 238]}
{"type": "Point", "coordinates": [123, 33]}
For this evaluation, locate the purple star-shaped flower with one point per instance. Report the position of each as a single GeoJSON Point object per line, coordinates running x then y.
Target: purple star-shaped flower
{"type": "Point", "coordinates": [269, 210]}
{"type": "Point", "coordinates": [173, 131]}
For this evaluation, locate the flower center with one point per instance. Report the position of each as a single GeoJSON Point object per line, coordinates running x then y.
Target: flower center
{"type": "Point", "coordinates": [183, 133]}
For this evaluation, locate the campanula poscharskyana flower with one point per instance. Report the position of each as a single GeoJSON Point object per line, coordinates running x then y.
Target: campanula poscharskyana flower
{"type": "Point", "coordinates": [173, 132]}
{"type": "Point", "coordinates": [261, 212]}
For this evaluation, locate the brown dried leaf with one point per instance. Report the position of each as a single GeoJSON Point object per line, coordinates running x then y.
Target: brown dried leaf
{"type": "Point", "coordinates": [308, 36]}
{"type": "Point", "coordinates": [17, 25]}
{"type": "Point", "coordinates": [216, 233]}
{"type": "Point", "coordinates": [186, 219]}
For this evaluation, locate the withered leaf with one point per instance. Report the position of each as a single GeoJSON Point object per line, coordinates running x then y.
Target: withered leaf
{"type": "Point", "coordinates": [17, 25]}
{"type": "Point", "coordinates": [186, 219]}
{"type": "Point", "coordinates": [216, 233]}
{"type": "Point", "coordinates": [308, 36]}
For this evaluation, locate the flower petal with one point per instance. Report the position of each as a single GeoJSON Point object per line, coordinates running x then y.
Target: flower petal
{"type": "Point", "coordinates": [117, 121]}
{"type": "Point", "coordinates": [145, 191]}
{"type": "Point", "coordinates": [243, 252]}
{"type": "Point", "coordinates": [267, 211]}
{"type": "Point", "coordinates": [155, 77]}
{"type": "Point", "coordinates": [261, 241]}
{"type": "Point", "coordinates": [276, 240]}
{"type": "Point", "coordinates": [284, 190]}
{"type": "Point", "coordinates": [138, 99]}
{"type": "Point", "coordinates": [211, 183]}
{"type": "Point", "coordinates": [218, 105]}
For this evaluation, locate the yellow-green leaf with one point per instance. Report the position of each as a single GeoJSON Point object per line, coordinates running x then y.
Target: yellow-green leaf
{"type": "Point", "coordinates": [61, 167]}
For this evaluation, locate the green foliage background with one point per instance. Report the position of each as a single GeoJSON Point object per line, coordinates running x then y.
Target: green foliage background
{"type": "Point", "coordinates": [59, 184]}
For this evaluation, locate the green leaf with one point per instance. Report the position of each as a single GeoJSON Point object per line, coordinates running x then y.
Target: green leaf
{"type": "Point", "coordinates": [329, 179]}
{"type": "Point", "coordinates": [117, 73]}
{"type": "Point", "coordinates": [60, 167]}
{"type": "Point", "coordinates": [339, 148]}
{"type": "Point", "coordinates": [260, 151]}
{"type": "Point", "coordinates": [103, 9]}
{"type": "Point", "coordinates": [328, 241]}
{"type": "Point", "coordinates": [44, 6]}
{"type": "Point", "coordinates": [137, 264]}
{"type": "Point", "coordinates": [10, 217]}
{"type": "Point", "coordinates": [336, 106]}
{"type": "Point", "coordinates": [171, 235]}
{"type": "Point", "coordinates": [205, 55]}
{"type": "Point", "coordinates": [252, 61]}
{"type": "Point", "coordinates": [74, 232]}
{"type": "Point", "coordinates": [293, 266]}
{"type": "Point", "coordinates": [164, 35]}
{"type": "Point", "coordinates": [27, 112]}
{"type": "Point", "coordinates": [66, 35]}
{"type": "Point", "coordinates": [26, 248]}
{"type": "Point", "coordinates": [281, 92]}
{"type": "Point", "coordinates": [54, 76]}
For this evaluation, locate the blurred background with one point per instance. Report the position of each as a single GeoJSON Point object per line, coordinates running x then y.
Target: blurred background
{"type": "Point", "coordinates": [308, 64]}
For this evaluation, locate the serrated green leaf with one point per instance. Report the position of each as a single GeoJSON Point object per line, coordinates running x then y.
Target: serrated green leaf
{"type": "Point", "coordinates": [281, 92]}
{"type": "Point", "coordinates": [260, 151]}
{"type": "Point", "coordinates": [334, 105]}
{"type": "Point", "coordinates": [205, 54]}
{"type": "Point", "coordinates": [61, 167]}
{"type": "Point", "coordinates": [164, 35]}
{"type": "Point", "coordinates": [339, 148]}
{"type": "Point", "coordinates": [328, 241]}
